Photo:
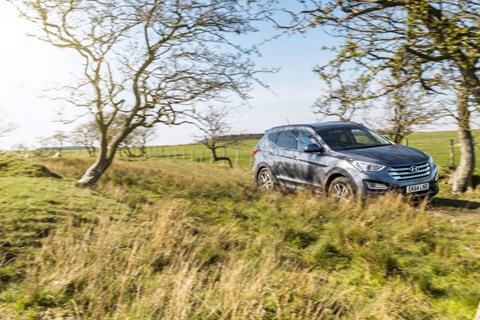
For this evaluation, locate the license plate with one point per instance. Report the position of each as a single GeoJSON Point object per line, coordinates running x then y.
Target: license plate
{"type": "Point", "coordinates": [418, 187]}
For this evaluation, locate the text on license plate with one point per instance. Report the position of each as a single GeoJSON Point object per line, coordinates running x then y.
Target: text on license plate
{"type": "Point", "coordinates": [418, 187]}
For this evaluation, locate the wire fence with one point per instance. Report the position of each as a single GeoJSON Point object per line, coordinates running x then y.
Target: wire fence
{"type": "Point", "coordinates": [240, 157]}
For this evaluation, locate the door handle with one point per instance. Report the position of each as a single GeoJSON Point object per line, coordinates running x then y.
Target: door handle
{"type": "Point", "coordinates": [295, 157]}
{"type": "Point", "coordinates": [270, 153]}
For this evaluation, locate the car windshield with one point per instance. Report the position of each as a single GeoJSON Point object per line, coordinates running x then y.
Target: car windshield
{"type": "Point", "coordinates": [348, 138]}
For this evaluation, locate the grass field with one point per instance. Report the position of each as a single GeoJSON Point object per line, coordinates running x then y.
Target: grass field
{"type": "Point", "coordinates": [171, 239]}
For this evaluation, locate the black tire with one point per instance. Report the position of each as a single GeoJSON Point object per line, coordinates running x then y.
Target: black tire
{"type": "Point", "coordinates": [342, 190]}
{"type": "Point", "coordinates": [266, 180]}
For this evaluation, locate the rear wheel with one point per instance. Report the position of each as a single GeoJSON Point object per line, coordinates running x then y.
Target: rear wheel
{"type": "Point", "coordinates": [342, 190]}
{"type": "Point", "coordinates": [265, 180]}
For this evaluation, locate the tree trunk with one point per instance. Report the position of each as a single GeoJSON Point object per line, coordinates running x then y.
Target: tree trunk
{"type": "Point", "coordinates": [462, 178]}
{"type": "Point", "coordinates": [398, 136]}
{"type": "Point", "coordinates": [216, 158]}
{"type": "Point", "coordinates": [93, 174]}
{"type": "Point", "coordinates": [225, 159]}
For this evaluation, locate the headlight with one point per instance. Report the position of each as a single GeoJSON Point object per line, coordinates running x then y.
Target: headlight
{"type": "Point", "coordinates": [366, 166]}
{"type": "Point", "coordinates": [430, 158]}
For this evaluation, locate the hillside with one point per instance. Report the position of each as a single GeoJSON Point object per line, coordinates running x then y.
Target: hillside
{"type": "Point", "coordinates": [164, 239]}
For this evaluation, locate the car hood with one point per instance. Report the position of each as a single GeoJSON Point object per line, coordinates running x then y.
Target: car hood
{"type": "Point", "coordinates": [391, 155]}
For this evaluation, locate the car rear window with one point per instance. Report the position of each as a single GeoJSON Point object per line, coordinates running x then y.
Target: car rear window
{"type": "Point", "coordinates": [287, 139]}
{"type": "Point", "coordinates": [273, 137]}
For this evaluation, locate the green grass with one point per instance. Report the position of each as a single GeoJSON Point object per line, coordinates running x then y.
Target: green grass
{"type": "Point", "coordinates": [164, 239]}
{"type": "Point", "coordinates": [437, 144]}
{"type": "Point", "coordinates": [34, 201]}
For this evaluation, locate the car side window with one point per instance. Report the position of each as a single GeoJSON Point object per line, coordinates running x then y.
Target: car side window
{"type": "Point", "coordinates": [273, 137]}
{"type": "Point", "coordinates": [304, 138]}
{"type": "Point", "coordinates": [286, 139]}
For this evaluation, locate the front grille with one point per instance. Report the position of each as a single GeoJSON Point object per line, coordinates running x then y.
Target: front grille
{"type": "Point", "coordinates": [410, 172]}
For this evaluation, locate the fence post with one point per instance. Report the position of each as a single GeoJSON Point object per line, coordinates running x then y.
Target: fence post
{"type": "Point", "coordinates": [237, 155]}
{"type": "Point", "coordinates": [452, 153]}
{"type": "Point", "coordinates": [184, 153]}
{"type": "Point", "coordinates": [192, 155]}
{"type": "Point", "coordinates": [203, 156]}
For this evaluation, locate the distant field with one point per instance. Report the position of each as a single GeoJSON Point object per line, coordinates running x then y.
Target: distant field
{"type": "Point", "coordinates": [438, 145]}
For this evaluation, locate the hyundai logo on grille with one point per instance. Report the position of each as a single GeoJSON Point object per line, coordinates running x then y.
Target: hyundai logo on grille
{"type": "Point", "coordinates": [413, 169]}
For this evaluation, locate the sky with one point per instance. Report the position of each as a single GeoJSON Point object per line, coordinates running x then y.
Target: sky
{"type": "Point", "coordinates": [29, 67]}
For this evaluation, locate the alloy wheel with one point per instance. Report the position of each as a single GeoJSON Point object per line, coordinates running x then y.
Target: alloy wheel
{"type": "Point", "coordinates": [265, 180]}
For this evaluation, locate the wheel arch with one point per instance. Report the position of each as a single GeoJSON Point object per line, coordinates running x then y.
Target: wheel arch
{"type": "Point", "coordinates": [338, 173]}
{"type": "Point", "coordinates": [259, 168]}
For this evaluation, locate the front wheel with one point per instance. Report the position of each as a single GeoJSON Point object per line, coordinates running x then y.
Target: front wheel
{"type": "Point", "coordinates": [265, 180]}
{"type": "Point", "coordinates": [341, 189]}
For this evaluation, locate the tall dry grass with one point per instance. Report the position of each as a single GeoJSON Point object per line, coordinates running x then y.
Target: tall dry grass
{"type": "Point", "coordinates": [162, 267]}
{"type": "Point", "coordinates": [166, 264]}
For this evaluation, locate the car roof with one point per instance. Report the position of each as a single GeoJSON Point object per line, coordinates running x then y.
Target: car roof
{"type": "Point", "coordinates": [318, 126]}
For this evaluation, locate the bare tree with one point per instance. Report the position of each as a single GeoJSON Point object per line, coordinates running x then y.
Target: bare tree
{"type": "Point", "coordinates": [142, 137]}
{"type": "Point", "coordinates": [86, 135]}
{"type": "Point", "coordinates": [148, 61]}
{"type": "Point", "coordinates": [138, 139]}
{"type": "Point", "coordinates": [406, 108]}
{"type": "Point", "coordinates": [20, 148]}
{"type": "Point", "coordinates": [216, 131]}
{"type": "Point", "coordinates": [43, 147]}
{"type": "Point", "coordinates": [59, 138]}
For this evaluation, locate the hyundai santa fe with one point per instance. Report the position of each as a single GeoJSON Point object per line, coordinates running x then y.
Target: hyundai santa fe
{"type": "Point", "coordinates": [342, 159]}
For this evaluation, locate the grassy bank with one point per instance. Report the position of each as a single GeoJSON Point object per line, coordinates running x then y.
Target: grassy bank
{"type": "Point", "coordinates": [181, 240]}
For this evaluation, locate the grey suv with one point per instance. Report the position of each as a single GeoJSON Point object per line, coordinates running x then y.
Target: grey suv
{"type": "Point", "coordinates": [341, 159]}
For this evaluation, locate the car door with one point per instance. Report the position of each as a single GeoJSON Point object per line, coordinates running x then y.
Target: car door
{"type": "Point", "coordinates": [309, 167]}
{"type": "Point", "coordinates": [285, 156]}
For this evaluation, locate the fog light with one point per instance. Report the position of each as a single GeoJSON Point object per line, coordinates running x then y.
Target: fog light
{"type": "Point", "coordinates": [376, 186]}
{"type": "Point", "coordinates": [437, 177]}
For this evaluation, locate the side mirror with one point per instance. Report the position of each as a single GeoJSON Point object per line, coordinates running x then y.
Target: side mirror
{"type": "Point", "coordinates": [311, 148]}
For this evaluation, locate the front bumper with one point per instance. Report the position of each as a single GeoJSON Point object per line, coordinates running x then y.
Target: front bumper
{"type": "Point", "coordinates": [393, 185]}
{"type": "Point", "coordinates": [432, 190]}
